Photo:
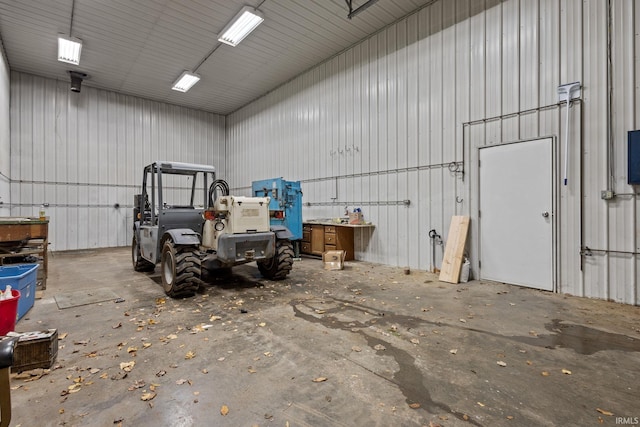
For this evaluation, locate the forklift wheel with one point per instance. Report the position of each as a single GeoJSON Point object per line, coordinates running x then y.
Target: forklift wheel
{"type": "Point", "coordinates": [139, 263]}
{"type": "Point", "coordinates": [180, 268]}
{"type": "Point", "coordinates": [279, 266]}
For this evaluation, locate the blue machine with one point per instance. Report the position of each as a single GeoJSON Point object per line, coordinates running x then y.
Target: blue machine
{"type": "Point", "coordinates": [285, 207]}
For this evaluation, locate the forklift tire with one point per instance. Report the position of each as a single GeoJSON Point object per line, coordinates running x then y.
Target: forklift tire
{"type": "Point", "coordinates": [180, 270]}
{"type": "Point", "coordinates": [278, 267]}
{"type": "Point", "coordinates": [139, 263]}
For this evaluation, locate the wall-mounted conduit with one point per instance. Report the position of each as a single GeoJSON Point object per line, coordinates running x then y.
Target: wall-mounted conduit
{"type": "Point", "coordinates": [454, 167]}
{"type": "Point", "coordinates": [372, 203]}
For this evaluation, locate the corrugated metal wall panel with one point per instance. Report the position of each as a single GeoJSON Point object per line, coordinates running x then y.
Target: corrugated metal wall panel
{"type": "Point", "coordinates": [623, 278]}
{"type": "Point", "coordinates": [83, 153]}
{"type": "Point", "coordinates": [403, 96]}
{"type": "Point", "coordinates": [595, 155]}
{"type": "Point", "coordinates": [5, 135]}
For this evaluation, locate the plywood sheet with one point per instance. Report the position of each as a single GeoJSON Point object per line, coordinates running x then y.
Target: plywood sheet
{"type": "Point", "coordinates": [454, 250]}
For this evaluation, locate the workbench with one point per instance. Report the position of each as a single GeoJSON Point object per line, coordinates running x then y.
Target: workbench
{"type": "Point", "coordinates": [319, 236]}
{"type": "Point", "coordinates": [23, 237]}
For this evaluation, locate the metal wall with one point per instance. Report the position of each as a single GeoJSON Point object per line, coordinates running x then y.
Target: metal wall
{"type": "Point", "coordinates": [83, 153]}
{"type": "Point", "coordinates": [401, 114]}
{"type": "Point", "coordinates": [5, 134]}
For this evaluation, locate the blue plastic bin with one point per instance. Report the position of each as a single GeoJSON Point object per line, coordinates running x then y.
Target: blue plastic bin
{"type": "Point", "coordinates": [22, 278]}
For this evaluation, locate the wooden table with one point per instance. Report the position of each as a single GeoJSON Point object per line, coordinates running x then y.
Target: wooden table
{"type": "Point", "coordinates": [321, 236]}
{"type": "Point", "coordinates": [21, 237]}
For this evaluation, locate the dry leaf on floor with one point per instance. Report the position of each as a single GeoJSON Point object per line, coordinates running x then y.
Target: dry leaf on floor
{"type": "Point", "coordinates": [379, 347]}
{"type": "Point", "coordinates": [146, 345]}
{"type": "Point", "coordinates": [356, 348]}
{"type": "Point", "coordinates": [501, 363]}
{"type": "Point", "coordinates": [172, 336]}
{"type": "Point", "coordinates": [603, 412]}
{"type": "Point", "coordinates": [529, 362]}
{"type": "Point", "coordinates": [61, 411]}
{"type": "Point", "coordinates": [161, 373]}
{"type": "Point", "coordinates": [160, 301]}
{"type": "Point", "coordinates": [262, 324]}
{"type": "Point", "coordinates": [73, 388]}
{"type": "Point", "coordinates": [465, 417]}
{"type": "Point", "coordinates": [136, 385]}
{"type": "Point", "coordinates": [104, 376]}
{"type": "Point", "coordinates": [509, 417]}
{"type": "Point", "coordinates": [181, 381]}
{"type": "Point", "coordinates": [189, 355]}
{"type": "Point", "coordinates": [119, 325]}
{"type": "Point", "coordinates": [415, 341]}
{"type": "Point", "coordinates": [132, 349]}
{"type": "Point", "coordinates": [251, 370]}
{"type": "Point", "coordinates": [224, 410]}
{"type": "Point", "coordinates": [205, 371]}
{"type": "Point", "coordinates": [480, 404]}
{"type": "Point", "coordinates": [414, 405]}
{"type": "Point", "coordinates": [214, 318]}
{"type": "Point", "coordinates": [319, 379]}
{"type": "Point", "coordinates": [545, 374]}
{"type": "Point", "coordinates": [147, 396]}
{"type": "Point", "coordinates": [127, 366]}
{"type": "Point", "coordinates": [63, 335]}
{"type": "Point", "coordinates": [463, 321]}
{"type": "Point", "coordinates": [443, 417]}
{"type": "Point", "coordinates": [566, 372]}
{"type": "Point", "coordinates": [453, 351]}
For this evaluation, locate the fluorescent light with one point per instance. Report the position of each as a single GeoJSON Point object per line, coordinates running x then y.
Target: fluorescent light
{"type": "Point", "coordinates": [69, 49]}
{"type": "Point", "coordinates": [185, 81]}
{"type": "Point", "coordinates": [244, 22]}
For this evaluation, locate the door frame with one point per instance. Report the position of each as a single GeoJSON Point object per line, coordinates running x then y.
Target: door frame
{"type": "Point", "coordinates": [555, 205]}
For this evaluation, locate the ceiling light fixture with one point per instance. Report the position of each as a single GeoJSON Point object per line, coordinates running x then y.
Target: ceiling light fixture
{"type": "Point", "coordinates": [186, 80]}
{"type": "Point", "coordinates": [69, 49]}
{"type": "Point", "coordinates": [240, 26]}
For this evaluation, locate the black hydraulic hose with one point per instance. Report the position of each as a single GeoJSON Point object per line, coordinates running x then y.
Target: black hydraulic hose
{"type": "Point", "coordinates": [221, 185]}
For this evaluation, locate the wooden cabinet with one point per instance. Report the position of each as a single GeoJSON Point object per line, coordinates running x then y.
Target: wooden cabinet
{"type": "Point", "coordinates": [22, 237]}
{"type": "Point", "coordinates": [319, 238]}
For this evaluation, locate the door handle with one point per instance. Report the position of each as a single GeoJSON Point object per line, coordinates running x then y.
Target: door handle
{"type": "Point", "coordinates": [545, 214]}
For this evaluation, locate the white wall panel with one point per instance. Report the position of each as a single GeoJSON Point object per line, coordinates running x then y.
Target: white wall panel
{"type": "Point", "coordinates": [5, 135]}
{"type": "Point", "coordinates": [429, 91]}
{"type": "Point", "coordinates": [83, 153]}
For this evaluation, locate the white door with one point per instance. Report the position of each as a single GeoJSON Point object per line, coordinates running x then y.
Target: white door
{"type": "Point", "coordinates": [516, 214]}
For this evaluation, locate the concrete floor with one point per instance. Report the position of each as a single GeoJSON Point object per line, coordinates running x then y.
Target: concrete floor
{"type": "Point", "coordinates": [366, 346]}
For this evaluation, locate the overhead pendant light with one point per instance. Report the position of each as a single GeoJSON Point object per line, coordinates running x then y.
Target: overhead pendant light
{"type": "Point", "coordinates": [240, 26]}
{"type": "Point", "coordinates": [69, 49]}
{"type": "Point", "coordinates": [186, 80]}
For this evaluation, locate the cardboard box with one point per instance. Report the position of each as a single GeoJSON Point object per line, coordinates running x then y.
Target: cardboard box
{"type": "Point", "coordinates": [356, 218]}
{"type": "Point", "coordinates": [37, 349]}
{"type": "Point", "coordinates": [334, 260]}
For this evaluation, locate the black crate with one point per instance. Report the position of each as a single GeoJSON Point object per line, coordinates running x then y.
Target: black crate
{"type": "Point", "coordinates": [37, 349]}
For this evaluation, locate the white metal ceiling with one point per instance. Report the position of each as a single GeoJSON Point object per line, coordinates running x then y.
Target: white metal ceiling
{"type": "Point", "coordinates": [139, 47]}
